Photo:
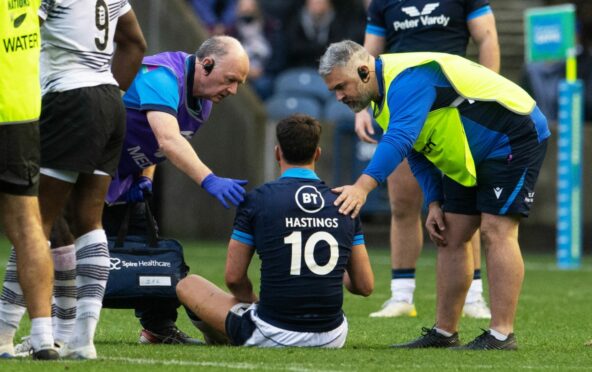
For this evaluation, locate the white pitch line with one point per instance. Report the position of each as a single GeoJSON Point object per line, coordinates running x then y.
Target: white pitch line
{"type": "Point", "coordinates": [191, 363]}
{"type": "Point", "coordinates": [296, 368]}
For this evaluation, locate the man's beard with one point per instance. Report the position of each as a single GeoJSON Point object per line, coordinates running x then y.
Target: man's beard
{"type": "Point", "coordinates": [361, 103]}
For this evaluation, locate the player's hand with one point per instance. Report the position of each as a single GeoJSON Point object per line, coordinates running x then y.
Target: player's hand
{"type": "Point", "coordinates": [436, 225]}
{"type": "Point", "coordinates": [139, 190]}
{"type": "Point", "coordinates": [350, 200]}
{"type": "Point", "coordinates": [225, 189]}
{"type": "Point", "coordinates": [363, 126]}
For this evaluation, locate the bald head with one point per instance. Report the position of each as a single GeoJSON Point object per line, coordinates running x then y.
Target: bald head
{"type": "Point", "coordinates": [224, 66]}
{"type": "Point", "coordinates": [220, 46]}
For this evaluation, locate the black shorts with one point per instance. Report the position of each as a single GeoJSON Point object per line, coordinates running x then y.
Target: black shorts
{"type": "Point", "coordinates": [82, 130]}
{"type": "Point", "coordinates": [505, 186]}
{"type": "Point", "coordinates": [19, 159]}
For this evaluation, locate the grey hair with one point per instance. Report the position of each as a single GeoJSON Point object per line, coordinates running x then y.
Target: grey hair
{"type": "Point", "coordinates": [339, 55]}
{"type": "Point", "coordinates": [215, 46]}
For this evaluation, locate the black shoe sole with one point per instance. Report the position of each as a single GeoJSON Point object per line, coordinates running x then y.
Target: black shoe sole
{"type": "Point", "coordinates": [487, 342]}
{"type": "Point", "coordinates": [45, 354]}
{"type": "Point", "coordinates": [430, 341]}
{"type": "Point", "coordinates": [505, 348]}
{"type": "Point", "coordinates": [404, 346]}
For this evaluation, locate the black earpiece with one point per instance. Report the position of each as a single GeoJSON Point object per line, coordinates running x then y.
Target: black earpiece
{"type": "Point", "coordinates": [363, 73]}
{"type": "Point", "coordinates": [208, 67]}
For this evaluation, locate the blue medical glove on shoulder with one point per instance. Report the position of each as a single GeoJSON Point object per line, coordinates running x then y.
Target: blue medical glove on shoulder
{"type": "Point", "coordinates": [141, 188]}
{"type": "Point", "coordinates": [225, 189]}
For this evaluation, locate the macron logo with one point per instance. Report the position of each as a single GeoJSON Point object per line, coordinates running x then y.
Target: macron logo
{"type": "Point", "coordinates": [498, 191]}
{"type": "Point", "coordinates": [529, 198]}
{"type": "Point", "coordinates": [412, 11]}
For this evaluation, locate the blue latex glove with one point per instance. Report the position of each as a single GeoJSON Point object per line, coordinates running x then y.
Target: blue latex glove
{"type": "Point", "coordinates": [139, 189]}
{"type": "Point", "coordinates": [225, 188]}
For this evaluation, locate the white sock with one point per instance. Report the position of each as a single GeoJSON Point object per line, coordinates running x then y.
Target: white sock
{"type": "Point", "coordinates": [64, 292]}
{"type": "Point", "coordinates": [86, 324]}
{"type": "Point", "coordinates": [402, 290]}
{"type": "Point", "coordinates": [7, 332]}
{"type": "Point", "coordinates": [498, 336]}
{"type": "Point", "coordinates": [92, 271]}
{"type": "Point", "coordinates": [12, 301]}
{"type": "Point", "coordinates": [443, 332]}
{"type": "Point", "coordinates": [41, 333]}
{"type": "Point", "coordinates": [475, 291]}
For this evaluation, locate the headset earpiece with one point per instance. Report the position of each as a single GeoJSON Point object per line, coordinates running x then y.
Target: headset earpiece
{"type": "Point", "coordinates": [363, 73]}
{"type": "Point", "coordinates": [208, 67]}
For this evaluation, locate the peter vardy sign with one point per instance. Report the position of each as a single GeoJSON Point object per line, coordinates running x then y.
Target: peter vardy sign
{"type": "Point", "coordinates": [550, 32]}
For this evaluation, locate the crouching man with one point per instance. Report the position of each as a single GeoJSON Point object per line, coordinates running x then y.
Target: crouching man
{"type": "Point", "coordinates": [308, 250]}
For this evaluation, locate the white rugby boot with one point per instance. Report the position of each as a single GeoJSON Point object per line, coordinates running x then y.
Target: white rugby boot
{"type": "Point", "coordinates": [394, 308]}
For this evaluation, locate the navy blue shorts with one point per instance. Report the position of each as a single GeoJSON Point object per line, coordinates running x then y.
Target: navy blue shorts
{"type": "Point", "coordinates": [505, 186]}
{"type": "Point", "coordinates": [239, 325]}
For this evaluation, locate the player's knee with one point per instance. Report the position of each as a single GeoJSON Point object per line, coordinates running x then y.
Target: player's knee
{"type": "Point", "coordinates": [30, 237]}
{"type": "Point", "coordinates": [491, 236]}
{"type": "Point", "coordinates": [185, 285]}
{"type": "Point", "coordinates": [405, 209]}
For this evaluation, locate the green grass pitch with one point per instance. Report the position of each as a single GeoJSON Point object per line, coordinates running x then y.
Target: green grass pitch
{"type": "Point", "coordinates": [553, 323]}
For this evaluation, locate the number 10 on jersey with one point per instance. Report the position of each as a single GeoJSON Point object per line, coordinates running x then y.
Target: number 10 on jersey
{"type": "Point", "coordinates": [295, 240]}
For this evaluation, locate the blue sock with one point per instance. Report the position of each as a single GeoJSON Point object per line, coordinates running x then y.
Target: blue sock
{"type": "Point", "coordinates": [403, 273]}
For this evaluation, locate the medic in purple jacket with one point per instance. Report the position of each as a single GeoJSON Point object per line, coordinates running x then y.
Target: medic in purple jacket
{"type": "Point", "coordinates": [170, 98]}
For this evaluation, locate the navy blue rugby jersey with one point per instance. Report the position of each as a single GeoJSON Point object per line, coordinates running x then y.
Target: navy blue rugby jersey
{"type": "Point", "coordinates": [424, 25]}
{"type": "Point", "coordinates": [304, 244]}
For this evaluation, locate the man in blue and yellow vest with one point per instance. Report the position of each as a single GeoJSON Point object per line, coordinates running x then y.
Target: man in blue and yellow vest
{"type": "Point", "coordinates": [476, 142]}
{"type": "Point", "coordinates": [20, 105]}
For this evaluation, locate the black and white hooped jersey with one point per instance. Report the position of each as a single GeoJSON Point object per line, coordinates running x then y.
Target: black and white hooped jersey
{"type": "Point", "coordinates": [77, 42]}
{"type": "Point", "coordinates": [304, 244]}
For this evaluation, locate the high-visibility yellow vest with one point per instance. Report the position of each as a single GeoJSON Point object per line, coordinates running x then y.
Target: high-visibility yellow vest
{"type": "Point", "coordinates": [442, 139]}
{"type": "Point", "coordinates": [20, 92]}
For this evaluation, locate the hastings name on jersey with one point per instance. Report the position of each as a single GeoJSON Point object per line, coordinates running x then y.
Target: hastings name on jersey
{"type": "Point", "coordinates": [314, 222]}
{"type": "Point", "coordinates": [423, 17]}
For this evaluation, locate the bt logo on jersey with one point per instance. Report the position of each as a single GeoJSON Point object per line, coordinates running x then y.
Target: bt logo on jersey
{"type": "Point", "coordinates": [309, 199]}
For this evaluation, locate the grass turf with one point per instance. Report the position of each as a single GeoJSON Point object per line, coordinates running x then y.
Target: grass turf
{"type": "Point", "coordinates": [552, 325]}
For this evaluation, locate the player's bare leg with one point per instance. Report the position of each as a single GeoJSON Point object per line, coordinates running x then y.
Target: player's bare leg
{"type": "Point", "coordinates": [475, 304]}
{"type": "Point", "coordinates": [406, 238]}
{"type": "Point", "coordinates": [454, 269]}
{"type": "Point", "coordinates": [209, 303]}
{"type": "Point", "coordinates": [505, 269]}
{"type": "Point", "coordinates": [92, 255]}
{"type": "Point", "coordinates": [22, 222]}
